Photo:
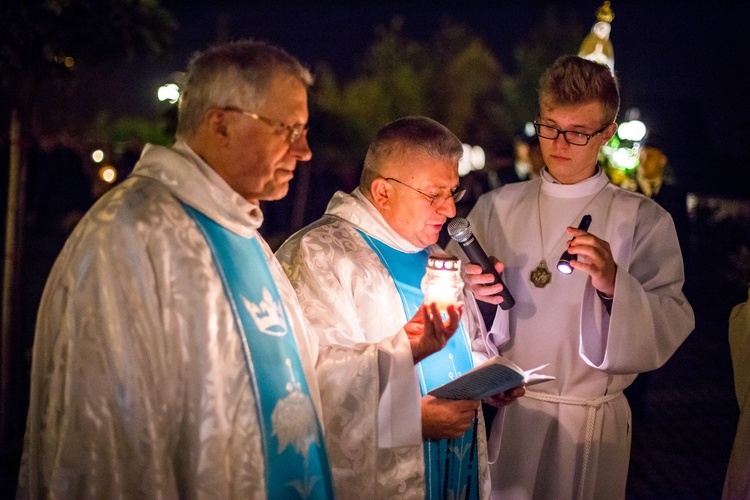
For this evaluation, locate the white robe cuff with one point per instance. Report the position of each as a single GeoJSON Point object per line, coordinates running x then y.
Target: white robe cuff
{"type": "Point", "coordinates": [499, 333]}
{"type": "Point", "coordinates": [400, 409]}
{"type": "Point", "coordinates": [594, 332]}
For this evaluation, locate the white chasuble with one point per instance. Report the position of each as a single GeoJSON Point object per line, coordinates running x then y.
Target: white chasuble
{"type": "Point", "coordinates": [570, 438]}
{"type": "Point", "coordinates": [140, 385]}
{"type": "Point", "coordinates": [350, 298]}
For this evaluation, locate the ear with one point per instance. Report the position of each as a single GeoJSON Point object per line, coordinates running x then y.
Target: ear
{"type": "Point", "coordinates": [216, 122]}
{"type": "Point", "coordinates": [609, 132]}
{"type": "Point", "coordinates": [380, 191]}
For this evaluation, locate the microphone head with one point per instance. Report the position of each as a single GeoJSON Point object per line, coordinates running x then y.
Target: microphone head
{"type": "Point", "coordinates": [459, 229]}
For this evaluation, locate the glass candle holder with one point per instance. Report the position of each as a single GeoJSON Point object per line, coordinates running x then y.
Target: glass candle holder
{"type": "Point", "coordinates": [442, 282]}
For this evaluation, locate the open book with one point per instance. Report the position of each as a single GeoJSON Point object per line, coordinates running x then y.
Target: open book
{"type": "Point", "coordinates": [495, 375]}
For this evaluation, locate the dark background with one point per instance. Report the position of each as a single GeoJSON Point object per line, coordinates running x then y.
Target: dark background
{"type": "Point", "coordinates": [685, 66]}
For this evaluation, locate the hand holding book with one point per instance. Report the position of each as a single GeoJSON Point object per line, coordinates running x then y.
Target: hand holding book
{"type": "Point", "coordinates": [494, 376]}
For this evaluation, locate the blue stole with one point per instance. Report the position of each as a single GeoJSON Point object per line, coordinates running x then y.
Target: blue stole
{"type": "Point", "coordinates": [450, 464]}
{"type": "Point", "coordinates": [293, 446]}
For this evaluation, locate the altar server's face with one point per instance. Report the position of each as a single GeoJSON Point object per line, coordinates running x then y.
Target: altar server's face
{"type": "Point", "coordinates": [570, 163]}
{"type": "Point", "coordinates": [262, 159]}
{"type": "Point", "coordinates": [410, 213]}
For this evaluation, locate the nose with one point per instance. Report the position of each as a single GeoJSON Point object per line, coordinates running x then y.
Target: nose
{"type": "Point", "coordinates": [447, 208]}
{"type": "Point", "coordinates": [560, 140]}
{"type": "Point", "coordinates": [301, 149]}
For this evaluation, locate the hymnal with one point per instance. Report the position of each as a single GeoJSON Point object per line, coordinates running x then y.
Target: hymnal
{"type": "Point", "coordinates": [494, 376]}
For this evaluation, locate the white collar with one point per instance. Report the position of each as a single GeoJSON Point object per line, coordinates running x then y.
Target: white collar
{"type": "Point", "coordinates": [359, 211]}
{"type": "Point", "coordinates": [189, 178]}
{"type": "Point", "coordinates": [586, 187]}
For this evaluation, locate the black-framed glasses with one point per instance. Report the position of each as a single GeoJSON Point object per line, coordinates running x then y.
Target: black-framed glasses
{"type": "Point", "coordinates": [294, 132]}
{"type": "Point", "coordinates": [570, 136]}
{"type": "Point", "coordinates": [454, 195]}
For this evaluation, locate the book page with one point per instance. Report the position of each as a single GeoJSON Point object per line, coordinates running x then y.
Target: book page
{"type": "Point", "coordinates": [491, 377]}
{"type": "Point", "coordinates": [480, 383]}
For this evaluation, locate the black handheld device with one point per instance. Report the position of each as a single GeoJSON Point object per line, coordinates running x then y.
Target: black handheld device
{"type": "Point", "coordinates": [563, 265]}
{"type": "Point", "coordinates": [460, 230]}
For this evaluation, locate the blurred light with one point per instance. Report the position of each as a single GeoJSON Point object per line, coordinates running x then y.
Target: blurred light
{"type": "Point", "coordinates": [473, 158]}
{"type": "Point", "coordinates": [464, 166]}
{"type": "Point", "coordinates": [169, 92]}
{"type": "Point", "coordinates": [634, 130]}
{"type": "Point", "coordinates": [692, 204]}
{"type": "Point", "coordinates": [66, 61]}
{"type": "Point", "coordinates": [632, 114]}
{"type": "Point", "coordinates": [477, 158]}
{"type": "Point", "coordinates": [624, 158]}
{"type": "Point", "coordinates": [108, 174]}
{"type": "Point", "coordinates": [529, 129]}
{"type": "Point", "coordinates": [97, 156]}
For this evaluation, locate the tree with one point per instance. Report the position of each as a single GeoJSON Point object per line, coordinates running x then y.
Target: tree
{"type": "Point", "coordinates": [454, 78]}
{"type": "Point", "coordinates": [546, 42]}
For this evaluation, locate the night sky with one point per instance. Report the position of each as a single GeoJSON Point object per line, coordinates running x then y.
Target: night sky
{"type": "Point", "coordinates": [684, 65]}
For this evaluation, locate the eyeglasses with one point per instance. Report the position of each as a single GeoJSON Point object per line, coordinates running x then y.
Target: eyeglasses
{"type": "Point", "coordinates": [455, 195]}
{"type": "Point", "coordinates": [570, 136]}
{"type": "Point", "coordinates": [293, 132]}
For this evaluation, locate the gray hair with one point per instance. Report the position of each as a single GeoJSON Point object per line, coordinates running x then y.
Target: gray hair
{"type": "Point", "coordinates": [235, 74]}
{"type": "Point", "coordinates": [408, 134]}
{"type": "Point", "coordinates": [572, 80]}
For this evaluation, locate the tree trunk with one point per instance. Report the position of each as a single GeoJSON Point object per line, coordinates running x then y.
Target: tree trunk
{"type": "Point", "coordinates": [11, 264]}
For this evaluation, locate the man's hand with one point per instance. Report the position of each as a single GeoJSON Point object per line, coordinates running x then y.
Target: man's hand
{"type": "Point", "coordinates": [506, 398]}
{"type": "Point", "coordinates": [599, 262]}
{"type": "Point", "coordinates": [446, 419]}
{"type": "Point", "coordinates": [427, 331]}
{"type": "Point", "coordinates": [479, 283]}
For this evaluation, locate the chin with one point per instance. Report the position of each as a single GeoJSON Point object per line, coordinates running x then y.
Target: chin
{"type": "Point", "coordinates": [427, 241]}
{"type": "Point", "coordinates": [276, 193]}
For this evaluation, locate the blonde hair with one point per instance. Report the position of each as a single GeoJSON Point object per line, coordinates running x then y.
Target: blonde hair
{"type": "Point", "coordinates": [572, 80]}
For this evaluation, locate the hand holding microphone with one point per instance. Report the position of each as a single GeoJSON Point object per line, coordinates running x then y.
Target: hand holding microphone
{"type": "Point", "coordinates": [460, 230]}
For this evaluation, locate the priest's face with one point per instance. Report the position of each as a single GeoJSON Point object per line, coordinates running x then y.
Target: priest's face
{"type": "Point", "coordinates": [571, 163]}
{"type": "Point", "coordinates": [260, 152]}
{"type": "Point", "coordinates": [416, 180]}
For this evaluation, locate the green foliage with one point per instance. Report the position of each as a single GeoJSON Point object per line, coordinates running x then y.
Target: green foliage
{"type": "Point", "coordinates": [454, 77]}
{"type": "Point", "coordinates": [391, 85]}
{"type": "Point", "coordinates": [464, 84]}
{"type": "Point", "coordinates": [110, 130]}
{"type": "Point", "coordinates": [129, 127]}
{"type": "Point", "coordinates": [547, 41]}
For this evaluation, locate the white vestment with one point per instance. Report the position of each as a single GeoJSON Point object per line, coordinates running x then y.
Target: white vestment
{"type": "Point", "coordinates": [737, 482]}
{"type": "Point", "coordinates": [349, 297]}
{"type": "Point", "coordinates": [139, 384]}
{"type": "Point", "coordinates": [571, 437]}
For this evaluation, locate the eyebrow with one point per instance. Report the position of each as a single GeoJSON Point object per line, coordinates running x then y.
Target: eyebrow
{"type": "Point", "coordinates": [555, 124]}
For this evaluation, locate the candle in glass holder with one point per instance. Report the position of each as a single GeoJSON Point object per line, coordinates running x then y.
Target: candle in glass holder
{"type": "Point", "coordinates": [442, 283]}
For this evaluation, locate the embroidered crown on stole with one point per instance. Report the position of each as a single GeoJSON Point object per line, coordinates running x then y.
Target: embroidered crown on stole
{"type": "Point", "coordinates": [267, 314]}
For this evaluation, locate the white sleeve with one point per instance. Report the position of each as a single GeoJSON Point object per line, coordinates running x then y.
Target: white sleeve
{"type": "Point", "coordinates": [650, 315]}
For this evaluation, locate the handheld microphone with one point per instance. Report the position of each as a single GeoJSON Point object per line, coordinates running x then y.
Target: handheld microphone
{"type": "Point", "coordinates": [460, 230]}
{"type": "Point", "coordinates": [563, 265]}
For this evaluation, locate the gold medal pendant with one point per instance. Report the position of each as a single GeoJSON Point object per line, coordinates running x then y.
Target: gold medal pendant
{"type": "Point", "coordinates": [541, 275]}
